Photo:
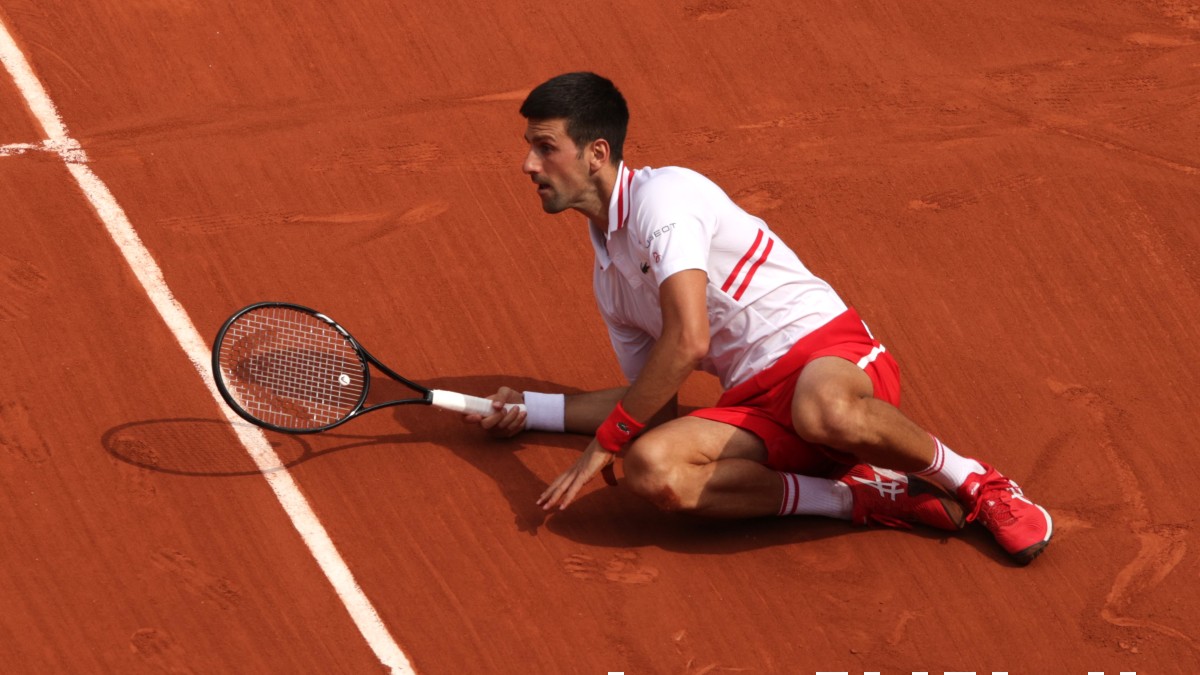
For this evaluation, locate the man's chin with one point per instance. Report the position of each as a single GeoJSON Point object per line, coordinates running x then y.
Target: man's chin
{"type": "Point", "coordinates": [553, 206]}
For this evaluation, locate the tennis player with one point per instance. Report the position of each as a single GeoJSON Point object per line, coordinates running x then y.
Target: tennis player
{"type": "Point", "coordinates": [685, 280]}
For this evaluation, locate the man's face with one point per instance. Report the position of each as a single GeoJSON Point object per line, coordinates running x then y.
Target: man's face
{"type": "Point", "coordinates": [555, 164]}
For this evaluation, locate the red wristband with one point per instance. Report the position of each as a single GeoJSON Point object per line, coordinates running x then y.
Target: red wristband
{"type": "Point", "coordinates": [618, 430]}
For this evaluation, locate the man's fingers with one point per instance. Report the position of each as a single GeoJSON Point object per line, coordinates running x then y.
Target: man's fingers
{"type": "Point", "coordinates": [550, 491]}
{"type": "Point", "coordinates": [572, 490]}
{"type": "Point", "coordinates": [490, 421]}
{"type": "Point", "coordinates": [562, 488]}
{"type": "Point", "coordinates": [549, 500]}
{"type": "Point", "coordinates": [514, 419]}
{"type": "Point", "coordinates": [505, 422]}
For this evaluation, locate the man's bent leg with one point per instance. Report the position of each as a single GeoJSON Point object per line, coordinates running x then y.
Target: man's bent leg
{"type": "Point", "coordinates": [702, 466]}
{"type": "Point", "coordinates": [717, 470]}
{"type": "Point", "coordinates": [834, 402]}
{"type": "Point", "coordinates": [714, 469]}
{"type": "Point", "coordinates": [834, 405]}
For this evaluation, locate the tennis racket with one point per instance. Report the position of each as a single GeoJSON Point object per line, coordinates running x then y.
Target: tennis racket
{"type": "Point", "coordinates": [292, 369]}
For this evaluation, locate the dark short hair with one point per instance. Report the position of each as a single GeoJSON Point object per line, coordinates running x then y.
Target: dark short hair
{"type": "Point", "coordinates": [591, 105]}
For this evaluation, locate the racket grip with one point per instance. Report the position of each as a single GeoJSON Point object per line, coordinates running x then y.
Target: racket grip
{"type": "Point", "coordinates": [468, 405]}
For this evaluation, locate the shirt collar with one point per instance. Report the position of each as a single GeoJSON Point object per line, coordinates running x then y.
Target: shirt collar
{"type": "Point", "coordinates": [618, 204]}
{"type": "Point", "coordinates": [618, 214]}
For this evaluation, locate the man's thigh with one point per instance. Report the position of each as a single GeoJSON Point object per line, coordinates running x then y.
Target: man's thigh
{"type": "Point", "coordinates": [826, 388]}
{"type": "Point", "coordinates": [832, 376]}
{"type": "Point", "coordinates": [695, 440]}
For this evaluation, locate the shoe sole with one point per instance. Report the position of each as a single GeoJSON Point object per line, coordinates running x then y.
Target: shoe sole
{"type": "Point", "coordinates": [954, 510]}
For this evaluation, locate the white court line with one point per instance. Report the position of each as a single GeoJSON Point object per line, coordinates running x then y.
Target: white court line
{"type": "Point", "coordinates": [148, 273]}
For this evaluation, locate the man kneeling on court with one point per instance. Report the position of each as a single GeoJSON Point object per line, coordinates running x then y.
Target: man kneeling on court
{"type": "Point", "coordinates": [686, 280]}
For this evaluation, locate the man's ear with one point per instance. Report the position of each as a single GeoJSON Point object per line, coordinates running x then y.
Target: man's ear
{"type": "Point", "coordinates": [598, 154]}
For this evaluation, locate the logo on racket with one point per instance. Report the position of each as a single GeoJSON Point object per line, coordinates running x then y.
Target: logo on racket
{"type": "Point", "coordinates": [343, 379]}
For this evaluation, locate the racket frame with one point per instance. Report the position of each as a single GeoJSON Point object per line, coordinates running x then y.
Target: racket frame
{"type": "Point", "coordinates": [368, 360]}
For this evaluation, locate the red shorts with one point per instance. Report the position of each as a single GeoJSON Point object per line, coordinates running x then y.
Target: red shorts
{"type": "Point", "coordinates": [762, 405]}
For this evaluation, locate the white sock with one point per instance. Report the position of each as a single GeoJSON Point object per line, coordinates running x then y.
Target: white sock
{"type": "Point", "coordinates": [808, 496]}
{"type": "Point", "coordinates": [949, 469]}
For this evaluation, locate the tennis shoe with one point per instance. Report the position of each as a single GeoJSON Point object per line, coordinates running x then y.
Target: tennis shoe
{"type": "Point", "coordinates": [892, 499]}
{"type": "Point", "coordinates": [1021, 527]}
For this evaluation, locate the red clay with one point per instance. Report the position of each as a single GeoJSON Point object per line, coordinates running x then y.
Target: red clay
{"type": "Point", "coordinates": [1007, 194]}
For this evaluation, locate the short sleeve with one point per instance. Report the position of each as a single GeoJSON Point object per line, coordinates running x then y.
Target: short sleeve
{"type": "Point", "coordinates": [674, 232]}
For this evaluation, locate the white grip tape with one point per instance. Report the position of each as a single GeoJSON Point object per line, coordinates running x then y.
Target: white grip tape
{"type": "Point", "coordinates": [468, 405]}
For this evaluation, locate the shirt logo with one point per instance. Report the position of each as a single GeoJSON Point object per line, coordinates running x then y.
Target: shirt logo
{"type": "Point", "coordinates": [645, 267]}
{"type": "Point", "coordinates": [657, 233]}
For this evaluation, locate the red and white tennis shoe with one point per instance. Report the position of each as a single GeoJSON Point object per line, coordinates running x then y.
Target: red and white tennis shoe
{"type": "Point", "coordinates": [894, 499]}
{"type": "Point", "coordinates": [1021, 527]}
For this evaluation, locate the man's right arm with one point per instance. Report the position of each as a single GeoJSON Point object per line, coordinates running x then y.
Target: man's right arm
{"type": "Point", "coordinates": [583, 413]}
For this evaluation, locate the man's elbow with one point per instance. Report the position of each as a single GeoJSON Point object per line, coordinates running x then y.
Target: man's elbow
{"type": "Point", "coordinates": [695, 347]}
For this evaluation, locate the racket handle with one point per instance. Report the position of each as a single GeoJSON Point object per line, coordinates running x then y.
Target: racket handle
{"type": "Point", "coordinates": [468, 405]}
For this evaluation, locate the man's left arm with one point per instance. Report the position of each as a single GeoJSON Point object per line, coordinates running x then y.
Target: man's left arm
{"type": "Point", "coordinates": [683, 344]}
{"type": "Point", "coordinates": [679, 350]}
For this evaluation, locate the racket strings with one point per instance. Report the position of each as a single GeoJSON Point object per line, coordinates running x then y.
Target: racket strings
{"type": "Point", "coordinates": [291, 369]}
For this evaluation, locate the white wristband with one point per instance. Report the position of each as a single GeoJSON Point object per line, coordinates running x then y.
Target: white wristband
{"type": "Point", "coordinates": [545, 412]}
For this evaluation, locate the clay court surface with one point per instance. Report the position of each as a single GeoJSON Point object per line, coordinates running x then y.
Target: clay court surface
{"type": "Point", "coordinates": [1007, 193]}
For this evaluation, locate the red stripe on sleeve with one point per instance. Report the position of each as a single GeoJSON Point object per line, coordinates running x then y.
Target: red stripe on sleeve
{"type": "Point", "coordinates": [754, 268]}
{"type": "Point", "coordinates": [753, 248]}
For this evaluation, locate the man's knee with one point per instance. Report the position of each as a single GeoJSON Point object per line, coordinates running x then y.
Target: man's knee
{"type": "Point", "coordinates": [653, 473]}
{"type": "Point", "coordinates": [830, 416]}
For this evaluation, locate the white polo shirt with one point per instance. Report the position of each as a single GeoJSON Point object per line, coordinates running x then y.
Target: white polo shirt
{"type": "Point", "coordinates": [761, 298]}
